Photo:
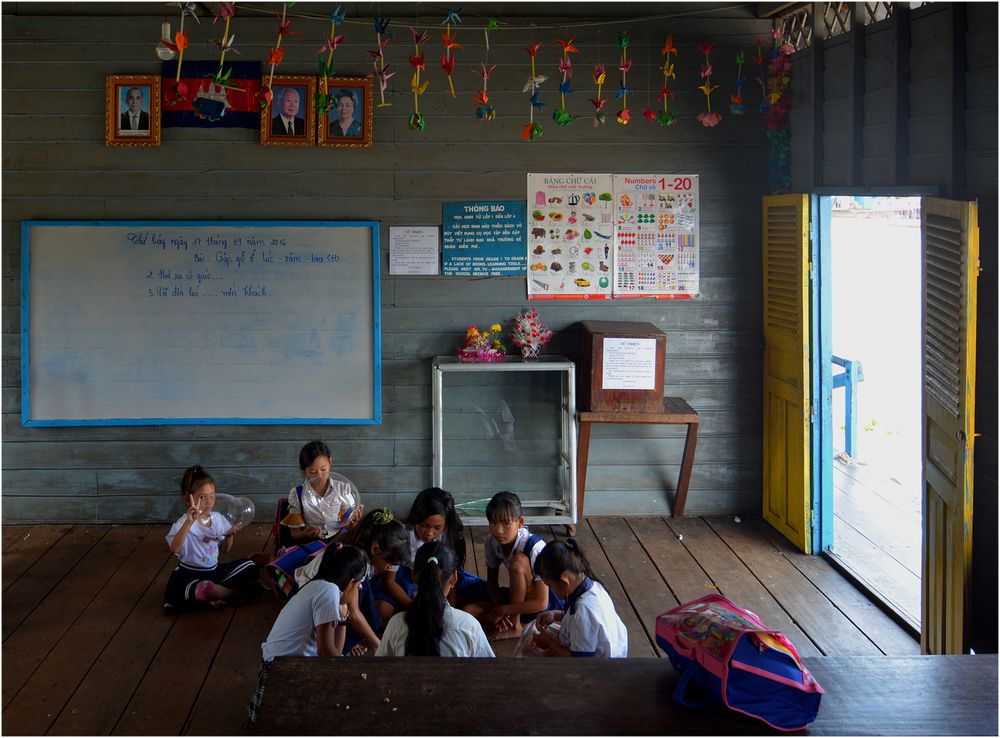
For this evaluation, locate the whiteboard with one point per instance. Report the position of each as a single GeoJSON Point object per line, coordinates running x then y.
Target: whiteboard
{"type": "Point", "coordinates": [190, 322]}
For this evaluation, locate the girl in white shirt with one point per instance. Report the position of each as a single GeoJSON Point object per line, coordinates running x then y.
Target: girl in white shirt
{"type": "Point", "coordinates": [328, 506]}
{"type": "Point", "coordinates": [431, 626]}
{"type": "Point", "coordinates": [589, 625]}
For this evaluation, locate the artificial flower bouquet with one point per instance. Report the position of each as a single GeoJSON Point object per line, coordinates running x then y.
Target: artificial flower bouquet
{"type": "Point", "coordinates": [482, 346]}
{"type": "Point", "coordinates": [530, 333]}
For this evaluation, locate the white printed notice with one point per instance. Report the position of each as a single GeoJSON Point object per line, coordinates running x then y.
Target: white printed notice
{"type": "Point", "coordinates": [656, 235]}
{"type": "Point", "coordinates": [413, 250]}
{"type": "Point", "coordinates": [629, 363]}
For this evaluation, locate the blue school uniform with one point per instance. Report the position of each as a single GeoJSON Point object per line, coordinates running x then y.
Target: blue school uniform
{"type": "Point", "coordinates": [528, 544]}
{"type": "Point", "coordinates": [468, 588]}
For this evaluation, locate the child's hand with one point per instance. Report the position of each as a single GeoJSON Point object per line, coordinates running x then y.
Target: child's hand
{"type": "Point", "coordinates": [313, 532]}
{"type": "Point", "coordinates": [545, 618]}
{"type": "Point", "coordinates": [355, 517]}
{"type": "Point", "coordinates": [194, 511]}
{"type": "Point", "coordinates": [542, 640]}
{"type": "Point", "coordinates": [358, 650]}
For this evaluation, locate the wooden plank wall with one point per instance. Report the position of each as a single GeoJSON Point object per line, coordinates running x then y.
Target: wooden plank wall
{"type": "Point", "coordinates": [57, 167]}
{"type": "Point", "coordinates": [946, 76]}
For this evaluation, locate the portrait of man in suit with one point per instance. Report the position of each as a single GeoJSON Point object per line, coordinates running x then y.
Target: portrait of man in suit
{"type": "Point", "coordinates": [134, 120]}
{"type": "Point", "coordinates": [288, 122]}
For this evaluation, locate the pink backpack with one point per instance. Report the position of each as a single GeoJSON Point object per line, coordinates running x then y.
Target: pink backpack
{"type": "Point", "coordinates": [724, 652]}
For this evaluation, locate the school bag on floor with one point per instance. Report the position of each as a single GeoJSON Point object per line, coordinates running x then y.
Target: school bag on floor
{"type": "Point", "coordinates": [281, 571]}
{"type": "Point", "coordinates": [724, 652]}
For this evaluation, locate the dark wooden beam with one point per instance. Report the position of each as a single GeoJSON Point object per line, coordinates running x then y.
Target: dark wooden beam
{"type": "Point", "coordinates": [955, 185]}
{"type": "Point", "coordinates": [856, 95]}
{"type": "Point", "coordinates": [816, 92]}
{"type": "Point", "coordinates": [899, 150]}
{"type": "Point", "coordinates": [776, 10]}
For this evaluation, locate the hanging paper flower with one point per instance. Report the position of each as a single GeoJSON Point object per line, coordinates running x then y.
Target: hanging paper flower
{"type": "Point", "coordinates": [623, 116]}
{"type": "Point", "coordinates": [416, 121]}
{"type": "Point", "coordinates": [561, 115]}
{"type": "Point", "coordinates": [533, 130]}
{"type": "Point", "coordinates": [380, 67]}
{"type": "Point", "coordinates": [665, 117]}
{"type": "Point", "coordinates": [323, 99]}
{"type": "Point", "coordinates": [708, 118]}
{"type": "Point", "coordinates": [448, 61]}
{"type": "Point", "coordinates": [599, 76]}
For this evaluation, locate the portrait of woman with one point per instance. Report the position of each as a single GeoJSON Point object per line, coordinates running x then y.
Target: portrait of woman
{"type": "Point", "coordinates": [347, 120]}
{"type": "Point", "coordinates": [345, 117]}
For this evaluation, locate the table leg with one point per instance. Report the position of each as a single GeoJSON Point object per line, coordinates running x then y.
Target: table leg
{"type": "Point", "coordinates": [684, 478]}
{"type": "Point", "coordinates": [582, 454]}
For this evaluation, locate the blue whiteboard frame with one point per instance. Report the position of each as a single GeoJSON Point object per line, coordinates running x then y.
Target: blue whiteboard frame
{"type": "Point", "coordinates": [373, 227]}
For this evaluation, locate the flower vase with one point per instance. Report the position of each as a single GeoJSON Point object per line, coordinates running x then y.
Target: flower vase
{"type": "Point", "coordinates": [530, 353]}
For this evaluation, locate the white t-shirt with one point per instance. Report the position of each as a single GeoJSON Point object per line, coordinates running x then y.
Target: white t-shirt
{"type": "Point", "coordinates": [416, 543]}
{"type": "Point", "coordinates": [201, 547]}
{"type": "Point", "coordinates": [591, 627]}
{"type": "Point", "coordinates": [463, 636]}
{"type": "Point", "coordinates": [294, 632]}
{"type": "Point", "coordinates": [326, 512]}
{"type": "Point", "coordinates": [495, 555]}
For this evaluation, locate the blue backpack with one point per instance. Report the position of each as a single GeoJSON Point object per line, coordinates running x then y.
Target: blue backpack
{"type": "Point", "coordinates": [725, 653]}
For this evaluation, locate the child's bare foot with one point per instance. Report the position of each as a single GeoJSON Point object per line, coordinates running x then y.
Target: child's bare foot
{"type": "Point", "coordinates": [211, 593]}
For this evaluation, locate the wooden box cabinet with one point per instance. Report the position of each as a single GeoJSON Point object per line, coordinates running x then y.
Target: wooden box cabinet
{"type": "Point", "coordinates": [633, 381]}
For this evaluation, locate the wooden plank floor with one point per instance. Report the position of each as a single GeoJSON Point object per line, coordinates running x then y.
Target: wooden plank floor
{"type": "Point", "coordinates": [88, 650]}
{"type": "Point", "coordinates": [876, 535]}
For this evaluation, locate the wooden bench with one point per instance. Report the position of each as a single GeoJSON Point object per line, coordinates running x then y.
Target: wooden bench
{"type": "Point", "coordinates": [675, 412]}
{"type": "Point", "coordinates": [865, 695]}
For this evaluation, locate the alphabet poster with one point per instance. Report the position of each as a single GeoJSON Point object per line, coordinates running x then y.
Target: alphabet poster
{"type": "Point", "coordinates": [603, 236]}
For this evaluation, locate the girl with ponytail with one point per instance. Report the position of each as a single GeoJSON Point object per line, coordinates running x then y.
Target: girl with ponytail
{"type": "Point", "coordinates": [431, 626]}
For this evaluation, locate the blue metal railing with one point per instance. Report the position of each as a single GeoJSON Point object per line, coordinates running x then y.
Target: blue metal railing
{"type": "Point", "coordinates": [849, 380]}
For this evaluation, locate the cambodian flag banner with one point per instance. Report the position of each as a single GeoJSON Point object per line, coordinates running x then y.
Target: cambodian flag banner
{"type": "Point", "coordinates": [206, 104]}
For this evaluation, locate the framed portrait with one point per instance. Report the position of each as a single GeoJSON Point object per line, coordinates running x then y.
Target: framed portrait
{"type": "Point", "coordinates": [132, 110]}
{"type": "Point", "coordinates": [348, 122]}
{"type": "Point", "coordinates": [290, 118]}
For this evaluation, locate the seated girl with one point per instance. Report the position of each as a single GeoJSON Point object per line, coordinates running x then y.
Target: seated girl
{"type": "Point", "coordinates": [325, 505]}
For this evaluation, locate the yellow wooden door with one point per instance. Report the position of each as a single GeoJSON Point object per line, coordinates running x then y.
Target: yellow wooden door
{"type": "Point", "coordinates": [950, 242]}
{"type": "Point", "coordinates": [786, 367]}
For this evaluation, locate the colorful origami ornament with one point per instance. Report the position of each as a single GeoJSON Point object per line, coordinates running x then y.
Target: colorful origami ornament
{"type": "Point", "coordinates": [708, 118]}
{"type": "Point", "coordinates": [758, 59]}
{"type": "Point", "coordinates": [380, 67]}
{"type": "Point", "coordinates": [416, 122]}
{"type": "Point", "coordinates": [599, 76]}
{"type": "Point", "coordinates": [221, 77]}
{"type": "Point", "coordinates": [448, 61]}
{"type": "Point", "coordinates": [533, 130]}
{"type": "Point", "coordinates": [736, 106]}
{"type": "Point", "coordinates": [180, 43]}
{"type": "Point", "coordinates": [491, 25]}
{"type": "Point", "coordinates": [323, 100]}
{"type": "Point", "coordinates": [665, 117]}
{"type": "Point", "coordinates": [624, 115]}
{"type": "Point", "coordinates": [561, 115]}
{"type": "Point", "coordinates": [484, 111]}
{"type": "Point", "coordinates": [776, 119]}
{"type": "Point", "coordinates": [274, 57]}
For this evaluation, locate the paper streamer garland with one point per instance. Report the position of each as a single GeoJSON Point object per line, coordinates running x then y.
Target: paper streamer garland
{"type": "Point", "coordinates": [708, 118]}
{"type": "Point", "coordinates": [380, 67]}
{"type": "Point", "coordinates": [533, 130]}
{"type": "Point", "coordinates": [416, 122]}
{"type": "Point", "coordinates": [665, 117]}
{"type": "Point", "coordinates": [331, 42]}
{"type": "Point", "coordinates": [624, 115]}
{"type": "Point", "coordinates": [448, 61]}
{"type": "Point", "coordinates": [561, 115]}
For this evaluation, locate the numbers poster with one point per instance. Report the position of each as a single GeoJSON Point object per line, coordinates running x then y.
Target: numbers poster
{"type": "Point", "coordinates": [570, 236]}
{"type": "Point", "coordinates": [603, 236]}
{"type": "Point", "coordinates": [656, 235]}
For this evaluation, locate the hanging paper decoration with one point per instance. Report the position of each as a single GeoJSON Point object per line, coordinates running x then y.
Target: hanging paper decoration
{"type": "Point", "coordinates": [180, 43]}
{"type": "Point", "coordinates": [736, 106]}
{"type": "Point", "coordinates": [598, 102]}
{"type": "Point", "coordinates": [533, 130]}
{"type": "Point", "coordinates": [624, 64]}
{"type": "Point", "coordinates": [665, 117]}
{"type": "Point", "coordinates": [708, 118]}
{"type": "Point", "coordinates": [448, 61]}
{"type": "Point", "coordinates": [226, 11]}
{"type": "Point", "coordinates": [211, 101]}
{"type": "Point", "coordinates": [274, 57]}
{"type": "Point", "coordinates": [323, 100]}
{"type": "Point", "coordinates": [649, 114]}
{"type": "Point", "coordinates": [416, 122]}
{"type": "Point", "coordinates": [491, 25]}
{"type": "Point", "coordinates": [380, 67]}
{"type": "Point", "coordinates": [759, 61]}
{"type": "Point", "coordinates": [484, 111]}
{"type": "Point", "coordinates": [777, 118]}
{"type": "Point", "coordinates": [561, 115]}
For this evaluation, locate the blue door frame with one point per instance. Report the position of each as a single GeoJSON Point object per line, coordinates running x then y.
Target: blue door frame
{"type": "Point", "coordinates": [821, 348]}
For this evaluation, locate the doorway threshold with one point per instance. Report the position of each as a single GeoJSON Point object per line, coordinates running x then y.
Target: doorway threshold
{"type": "Point", "coordinates": [899, 615]}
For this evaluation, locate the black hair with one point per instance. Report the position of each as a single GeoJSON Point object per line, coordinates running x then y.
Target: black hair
{"type": "Point", "coordinates": [503, 507]}
{"type": "Point", "coordinates": [312, 451]}
{"type": "Point", "coordinates": [193, 478]}
{"type": "Point", "coordinates": [380, 528]}
{"type": "Point", "coordinates": [435, 501]}
{"type": "Point", "coordinates": [345, 93]}
{"type": "Point", "coordinates": [341, 564]}
{"type": "Point", "coordinates": [560, 556]}
{"type": "Point", "coordinates": [433, 565]}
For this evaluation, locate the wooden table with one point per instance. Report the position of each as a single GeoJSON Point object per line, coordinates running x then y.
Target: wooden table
{"type": "Point", "coordinates": [675, 412]}
{"type": "Point", "coordinates": [865, 695]}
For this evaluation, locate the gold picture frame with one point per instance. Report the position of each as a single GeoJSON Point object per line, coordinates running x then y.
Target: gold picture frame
{"type": "Point", "coordinates": [334, 130]}
{"type": "Point", "coordinates": [132, 110]}
{"type": "Point", "coordinates": [293, 106]}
